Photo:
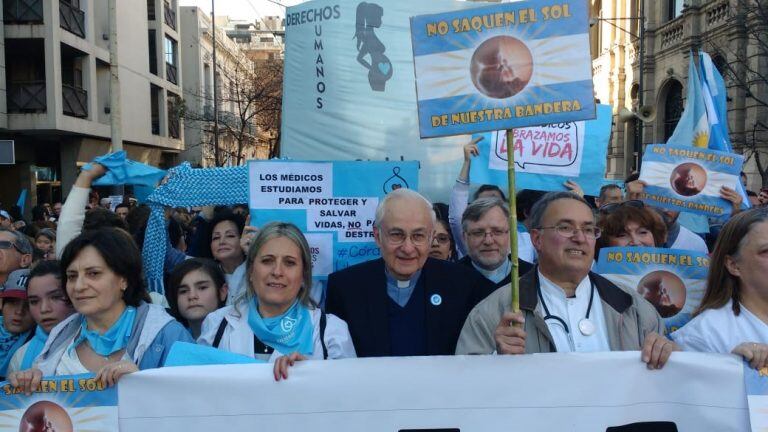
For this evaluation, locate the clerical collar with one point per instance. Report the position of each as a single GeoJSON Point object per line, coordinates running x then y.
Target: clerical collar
{"type": "Point", "coordinates": [400, 291]}
{"type": "Point", "coordinates": [498, 274]}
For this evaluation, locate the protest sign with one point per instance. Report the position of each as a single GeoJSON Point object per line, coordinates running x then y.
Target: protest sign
{"type": "Point", "coordinates": [114, 201]}
{"type": "Point", "coordinates": [333, 203]}
{"type": "Point", "coordinates": [503, 66]}
{"type": "Point", "coordinates": [672, 280]}
{"type": "Point", "coordinates": [756, 382]}
{"type": "Point", "coordinates": [694, 391]}
{"type": "Point", "coordinates": [547, 156]}
{"type": "Point", "coordinates": [689, 178]}
{"type": "Point", "coordinates": [64, 403]}
{"type": "Point", "coordinates": [337, 102]}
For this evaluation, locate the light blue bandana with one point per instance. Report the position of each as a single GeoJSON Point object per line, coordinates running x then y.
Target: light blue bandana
{"type": "Point", "coordinates": [286, 333]}
{"type": "Point", "coordinates": [114, 339]}
{"type": "Point", "coordinates": [9, 343]}
{"type": "Point", "coordinates": [34, 348]}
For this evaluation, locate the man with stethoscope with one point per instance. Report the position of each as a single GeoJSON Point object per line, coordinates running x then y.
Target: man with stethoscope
{"type": "Point", "coordinates": [564, 306]}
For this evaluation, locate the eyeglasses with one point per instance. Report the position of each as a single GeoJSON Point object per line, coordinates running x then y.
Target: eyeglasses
{"type": "Point", "coordinates": [479, 235]}
{"type": "Point", "coordinates": [569, 231]}
{"type": "Point", "coordinates": [397, 238]}
{"type": "Point", "coordinates": [9, 245]}
{"type": "Point", "coordinates": [612, 207]}
{"type": "Point", "coordinates": [442, 239]}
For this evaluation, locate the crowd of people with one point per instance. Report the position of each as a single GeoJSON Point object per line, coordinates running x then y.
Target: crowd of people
{"type": "Point", "coordinates": [74, 298]}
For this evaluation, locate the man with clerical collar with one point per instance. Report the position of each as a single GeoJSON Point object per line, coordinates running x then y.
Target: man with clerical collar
{"type": "Point", "coordinates": [564, 307]}
{"type": "Point", "coordinates": [405, 303]}
{"type": "Point", "coordinates": [485, 227]}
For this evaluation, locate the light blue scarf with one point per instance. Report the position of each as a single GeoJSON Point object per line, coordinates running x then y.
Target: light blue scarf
{"type": "Point", "coordinates": [34, 348]}
{"type": "Point", "coordinates": [286, 333]}
{"type": "Point", "coordinates": [9, 343]}
{"type": "Point", "coordinates": [114, 339]}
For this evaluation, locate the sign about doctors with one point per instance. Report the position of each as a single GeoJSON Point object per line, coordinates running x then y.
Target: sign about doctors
{"type": "Point", "coordinates": [65, 403]}
{"type": "Point", "coordinates": [673, 281]}
{"type": "Point", "coordinates": [689, 178]}
{"type": "Point", "coordinates": [693, 392]}
{"type": "Point", "coordinates": [504, 66]}
{"type": "Point", "coordinates": [547, 156]}
{"type": "Point", "coordinates": [333, 203]}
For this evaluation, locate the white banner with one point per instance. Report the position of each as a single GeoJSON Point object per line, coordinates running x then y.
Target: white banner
{"type": "Point", "coordinates": [541, 392]}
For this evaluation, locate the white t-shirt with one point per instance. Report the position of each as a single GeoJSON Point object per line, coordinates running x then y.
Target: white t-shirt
{"type": "Point", "coordinates": [720, 331]}
{"type": "Point", "coordinates": [687, 240]}
{"type": "Point", "coordinates": [235, 283]}
{"type": "Point", "coordinates": [572, 310]}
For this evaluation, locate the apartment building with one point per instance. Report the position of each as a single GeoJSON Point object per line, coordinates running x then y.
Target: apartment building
{"type": "Point", "coordinates": [55, 89]}
{"type": "Point", "coordinates": [673, 28]}
{"type": "Point", "coordinates": [261, 40]}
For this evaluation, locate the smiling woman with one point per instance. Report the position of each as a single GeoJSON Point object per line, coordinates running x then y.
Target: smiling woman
{"type": "Point", "coordinates": [275, 316]}
{"type": "Point", "coordinates": [115, 330]}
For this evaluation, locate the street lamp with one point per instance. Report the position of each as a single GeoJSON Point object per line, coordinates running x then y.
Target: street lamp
{"type": "Point", "coordinates": [638, 146]}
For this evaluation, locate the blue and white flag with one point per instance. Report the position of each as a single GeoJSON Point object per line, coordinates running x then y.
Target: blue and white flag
{"type": "Point", "coordinates": [333, 203]}
{"type": "Point", "coordinates": [672, 280]}
{"type": "Point", "coordinates": [504, 66]}
{"type": "Point", "coordinates": [547, 156]}
{"type": "Point", "coordinates": [62, 403]}
{"type": "Point", "coordinates": [689, 179]}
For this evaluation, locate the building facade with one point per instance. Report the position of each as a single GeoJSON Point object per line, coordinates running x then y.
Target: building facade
{"type": "Point", "coordinates": [262, 40]}
{"type": "Point", "coordinates": [673, 29]}
{"type": "Point", "coordinates": [55, 95]}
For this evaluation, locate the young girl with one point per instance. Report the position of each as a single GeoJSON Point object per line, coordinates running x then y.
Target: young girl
{"type": "Point", "coordinates": [196, 288]}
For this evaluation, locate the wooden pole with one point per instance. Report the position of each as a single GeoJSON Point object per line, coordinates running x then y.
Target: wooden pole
{"type": "Point", "coordinates": [514, 283]}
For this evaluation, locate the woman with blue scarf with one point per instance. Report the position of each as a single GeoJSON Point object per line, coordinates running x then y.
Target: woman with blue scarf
{"type": "Point", "coordinates": [48, 305]}
{"type": "Point", "coordinates": [115, 330]}
{"type": "Point", "coordinates": [274, 319]}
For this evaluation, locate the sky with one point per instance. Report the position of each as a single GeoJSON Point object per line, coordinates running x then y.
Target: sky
{"type": "Point", "coordinates": [242, 9]}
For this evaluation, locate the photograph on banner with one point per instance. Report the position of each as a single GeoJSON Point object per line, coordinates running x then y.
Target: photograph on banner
{"type": "Point", "coordinates": [63, 403]}
{"type": "Point", "coordinates": [756, 382]}
{"type": "Point", "coordinates": [501, 67]}
{"type": "Point", "coordinates": [348, 87]}
{"type": "Point", "coordinates": [673, 281]}
{"type": "Point", "coordinates": [689, 179]}
{"type": "Point", "coordinates": [548, 156]}
{"type": "Point", "coordinates": [333, 203]}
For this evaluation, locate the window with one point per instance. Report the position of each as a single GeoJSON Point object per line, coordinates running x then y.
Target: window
{"type": "Point", "coordinates": [673, 108]}
{"type": "Point", "coordinates": [170, 51]}
{"type": "Point", "coordinates": [674, 9]}
{"type": "Point", "coordinates": [152, 52]}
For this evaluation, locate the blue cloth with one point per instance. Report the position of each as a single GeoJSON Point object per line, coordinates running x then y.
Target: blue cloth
{"type": "Point", "coordinates": [114, 339]}
{"type": "Point", "coordinates": [287, 333]}
{"type": "Point", "coordinates": [9, 343]}
{"type": "Point", "coordinates": [122, 171]}
{"type": "Point", "coordinates": [401, 295]}
{"type": "Point", "coordinates": [187, 187]}
{"type": "Point", "coordinates": [157, 353]}
{"type": "Point", "coordinates": [408, 325]}
{"type": "Point", "coordinates": [34, 348]}
{"type": "Point", "coordinates": [190, 354]}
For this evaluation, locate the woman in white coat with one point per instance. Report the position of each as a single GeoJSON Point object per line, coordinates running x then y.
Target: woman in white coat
{"type": "Point", "coordinates": [275, 319]}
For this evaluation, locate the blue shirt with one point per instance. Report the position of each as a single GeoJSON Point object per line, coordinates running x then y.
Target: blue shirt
{"type": "Point", "coordinates": [400, 291]}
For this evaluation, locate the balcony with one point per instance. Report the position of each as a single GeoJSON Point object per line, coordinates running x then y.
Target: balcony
{"type": "Point", "coordinates": [23, 11]}
{"type": "Point", "coordinates": [170, 16]}
{"type": "Point", "coordinates": [171, 73]}
{"type": "Point", "coordinates": [75, 101]}
{"type": "Point", "coordinates": [72, 19]}
{"type": "Point", "coordinates": [26, 97]}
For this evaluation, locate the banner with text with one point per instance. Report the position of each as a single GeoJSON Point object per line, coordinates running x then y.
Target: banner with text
{"type": "Point", "coordinates": [756, 382]}
{"type": "Point", "coordinates": [693, 392]}
{"type": "Point", "coordinates": [504, 66]}
{"type": "Point", "coordinates": [673, 281]}
{"type": "Point", "coordinates": [348, 87]}
{"type": "Point", "coordinates": [689, 178]}
{"type": "Point", "coordinates": [65, 403]}
{"type": "Point", "coordinates": [547, 156]}
{"type": "Point", "coordinates": [333, 203]}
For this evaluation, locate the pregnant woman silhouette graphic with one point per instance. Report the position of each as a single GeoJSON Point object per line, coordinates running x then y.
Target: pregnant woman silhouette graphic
{"type": "Point", "coordinates": [368, 44]}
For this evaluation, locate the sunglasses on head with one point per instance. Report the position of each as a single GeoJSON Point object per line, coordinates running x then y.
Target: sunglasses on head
{"type": "Point", "coordinates": [612, 207]}
{"type": "Point", "coordinates": [8, 245]}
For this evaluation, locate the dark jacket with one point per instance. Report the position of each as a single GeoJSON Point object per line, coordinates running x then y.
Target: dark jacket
{"type": "Point", "coordinates": [358, 295]}
{"type": "Point", "coordinates": [523, 267]}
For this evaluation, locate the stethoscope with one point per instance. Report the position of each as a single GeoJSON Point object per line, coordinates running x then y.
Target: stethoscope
{"type": "Point", "coordinates": [586, 326]}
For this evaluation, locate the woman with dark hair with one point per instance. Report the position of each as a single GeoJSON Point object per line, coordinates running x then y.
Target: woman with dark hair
{"type": "Point", "coordinates": [45, 242]}
{"type": "Point", "coordinates": [275, 315]}
{"type": "Point", "coordinates": [443, 245]}
{"type": "Point", "coordinates": [630, 223]}
{"type": "Point", "coordinates": [115, 331]}
{"type": "Point", "coordinates": [733, 315]}
{"type": "Point", "coordinates": [196, 288]}
{"type": "Point", "coordinates": [226, 230]}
